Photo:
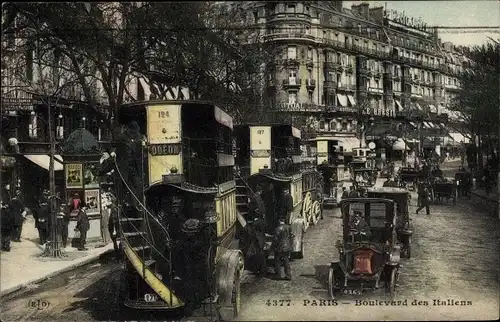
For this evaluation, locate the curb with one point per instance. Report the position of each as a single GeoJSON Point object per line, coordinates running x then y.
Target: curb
{"type": "Point", "coordinates": [71, 267]}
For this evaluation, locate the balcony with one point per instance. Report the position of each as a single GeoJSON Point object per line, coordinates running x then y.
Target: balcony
{"type": "Point", "coordinates": [292, 82]}
{"type": "Point", "coordinates": [289, 37]}
{"type": "Point", "coordinates": [310, 84]}
{"type": "Point", "coordinates": [309, 62]}
{"type": "Point", "coordinates": [349, 69]}
{"type": "Point", "coordinates": [347, 87]}
{"type": "Point", "coordinates": [450, 87]}
{"type": "Point", "coordinates": [408, 79]}
{"type": "Point", "coordinates": [333, 66]}
{"type": "Point", "coordinates": [377, 74]}
{"type": "Point", "coordinates": [286, 16]}
{"type": "Point", "coordinates": [334, 43]}
{"type": "Point", "coordinates": [329, 84]}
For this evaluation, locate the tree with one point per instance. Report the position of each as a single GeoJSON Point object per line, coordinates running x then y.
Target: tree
{"type": "Point", "coordinates": [478, 100]}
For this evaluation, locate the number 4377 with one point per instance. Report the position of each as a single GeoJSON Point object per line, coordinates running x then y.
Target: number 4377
{"type": "Point", "coordinates": [278, 302]}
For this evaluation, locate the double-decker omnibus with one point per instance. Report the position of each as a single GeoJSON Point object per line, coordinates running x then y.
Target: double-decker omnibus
{"type": "Point", "coordinates": [179, 235]}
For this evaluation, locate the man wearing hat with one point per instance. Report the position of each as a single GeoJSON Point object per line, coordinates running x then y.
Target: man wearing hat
{"type": "Point", "coordinates": [282, 246]}
{"type": "Point", "coordinates": [82, 225]}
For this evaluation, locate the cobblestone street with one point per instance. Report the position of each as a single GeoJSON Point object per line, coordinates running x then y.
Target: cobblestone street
{"type": "Point", "coordinates": [454, 256]}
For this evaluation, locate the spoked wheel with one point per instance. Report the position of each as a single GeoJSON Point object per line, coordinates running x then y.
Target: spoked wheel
{"type": "Point", "coordinates": [331, 283]}
{"type": "Point", "coordinates": [228, 313]}
{"type": "Point", "coordinates": [391, 283]}
{"type": "Point", "coordinates": [407, 250]}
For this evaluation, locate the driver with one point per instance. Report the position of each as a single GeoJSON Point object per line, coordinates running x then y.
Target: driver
{"type": "Point", "coordinates": [359, 224]}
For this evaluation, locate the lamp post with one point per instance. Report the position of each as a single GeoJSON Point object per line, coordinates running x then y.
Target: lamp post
{"type": "Point", "coordinates": [53, 250]}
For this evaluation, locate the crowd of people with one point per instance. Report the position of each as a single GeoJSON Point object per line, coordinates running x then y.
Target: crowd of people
{"type": "Point", "coordinates": [14, 215]}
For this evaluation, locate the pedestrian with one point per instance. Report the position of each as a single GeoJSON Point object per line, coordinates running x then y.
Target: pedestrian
{"type": "Point", "coordinates": [423, 198]}
{"type": "Point", "coordinates": [18, 212]}
{"type": "Point", "coordinates": [82, 225]}
{"type": "Point", "coordinates": [282, 246]}
{"type": "Point", "coordinates": [75, 203]}
{"type": "Point", "coordinates": [7, 227]}
{"type": "Point", "coordinates": [345, 193]}
{"type": "Point", "coordinates": [269, 198]}
{"type": "Point", "coordinates": [353, 193]}
{"type": "Point", "coordinates": [257, 207]}
{"type": "Point", "coordinates": [41, 215]}
{"type": "Point", "coordinates": [63, 222]}
{"type": "Point", "coordinates": [258, 241]}
{"type": "Point", "coordinates": [286, 205]}
{"type": "Point", "coordinates": [113, 225]}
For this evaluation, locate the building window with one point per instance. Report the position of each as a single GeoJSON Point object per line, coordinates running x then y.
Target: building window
{"type": "Point", "coordinates": [292, 73]}
{"type": "Point", "coordinates": [290, 8]}
{"type": "Point", "coordinates": [292, 52]}
{"type": "Point", "coordinates": [33, 126]}
{"type": "Point", "coordinates": [309, 53]}
{"type": "Point", "coordinates": [306, 9]}
{"type": "Point", "coordinates": [292, 97]}
{"type": "Point", "coordinates": [308, 30]}
{"type": "Point", "coordinates": [359, 28]}
{"type": "Point", "coordinates": [311, 96]}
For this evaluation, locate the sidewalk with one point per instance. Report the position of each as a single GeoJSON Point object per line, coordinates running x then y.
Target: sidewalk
{"type": "Point", "coordinates": [23, 266]}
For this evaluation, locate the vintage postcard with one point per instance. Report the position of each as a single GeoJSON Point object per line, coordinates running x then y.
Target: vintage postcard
{"type": "Point", "coordinates": [250, 161]}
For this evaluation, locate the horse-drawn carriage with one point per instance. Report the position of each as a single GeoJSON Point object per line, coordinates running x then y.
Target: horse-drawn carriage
{"type": "Point", "coordinates": [463, 180]}
{"type": "Point", "coordinates": [369, 253]}
{"type": "Point", "coordinates": [409, 177]}
{"type": "Point", "coordinates": [403, 222]}
{"type": "Point", "coordinates": [444, 189]}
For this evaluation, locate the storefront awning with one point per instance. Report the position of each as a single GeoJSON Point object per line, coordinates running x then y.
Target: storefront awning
{"type": "Point", "coordinates": [351, 100]}
{"type": "Point", "coordinates": [427, 125]}
{"type": "Point", "coordinates": [342, 100]}
{"type": "Point", "coordinates": [400, 145]}
{"type": "Point", "coordinates": [43, 161]}
{"type": "Point", "coordinates": [349, 143]}
{"type": "Point", "coordinates": [413, 124]}
{"type": "Point", "coordinates": [398, 104]}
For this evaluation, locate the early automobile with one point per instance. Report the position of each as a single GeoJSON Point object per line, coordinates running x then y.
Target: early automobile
{"type": "Point", "coordinates": [369, 255]}
{"type": "Point", "coordinates": [401, 197]}
{"type": "Point", "coordinates": [364, 177]}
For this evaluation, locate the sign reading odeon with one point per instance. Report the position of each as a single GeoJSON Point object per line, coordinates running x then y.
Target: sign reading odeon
{"type": "Point", "coordinates": [311, 211]}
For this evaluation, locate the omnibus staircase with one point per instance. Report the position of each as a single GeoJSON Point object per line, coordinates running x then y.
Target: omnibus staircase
{"type": "Point", "coordinates": [136, 225]}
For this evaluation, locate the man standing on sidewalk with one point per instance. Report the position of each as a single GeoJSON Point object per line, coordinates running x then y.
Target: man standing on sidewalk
{"type": "Point", "coordinates": [6, 227]}
{"type": "Point", "coordinates": [18, 212]}
{"type": "Point", "coordinates": [82, 225]}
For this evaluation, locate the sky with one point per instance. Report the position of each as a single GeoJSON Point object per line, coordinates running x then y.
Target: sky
{"type": "Point", "coordinates": [451, 13]}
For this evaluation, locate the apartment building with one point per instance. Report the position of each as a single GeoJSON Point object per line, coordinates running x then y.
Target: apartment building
{"type": "Point", "coordinates": [360, 60]}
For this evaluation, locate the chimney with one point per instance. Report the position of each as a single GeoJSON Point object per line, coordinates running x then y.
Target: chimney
{"type": "Point", "coordinates": [363, 9]}
{"type": "Point", "coordinates": [377, 14]}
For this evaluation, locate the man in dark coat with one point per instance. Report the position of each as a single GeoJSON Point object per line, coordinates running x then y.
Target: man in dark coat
{"type": "Point", "coordinates": [269, 199]}
{"type": "Point", "coordinates": [345, 193]}
{"type": "Point", "coordinates": [16, 208]}
{"type": "Point", "coordinates": [353, 193]}
{"type": "Point", "coordinates": [286, 205]}
{"type": "Point", "coordinates": [63, 223]}
{"type": "Point", "coordinates": [423, 198]}
{"type": "Point", "coordinates": [42, 221]}
{"type": "Point", "coordinates": [82, 225]}
{"type": "Point", "coordinates": [6, 226]}
{"type": "Point", "coordinates": [257, 207]}
{"type": "Point", "coordinates": [113, 225]}
{"type": "Point", "coordinates": [282, 246]}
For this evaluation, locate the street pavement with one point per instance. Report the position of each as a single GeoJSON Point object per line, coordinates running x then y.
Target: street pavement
{"type": "Point", "coordinates": [24, 265]}
{"type": "Point", "coordinates": [454, 256]}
